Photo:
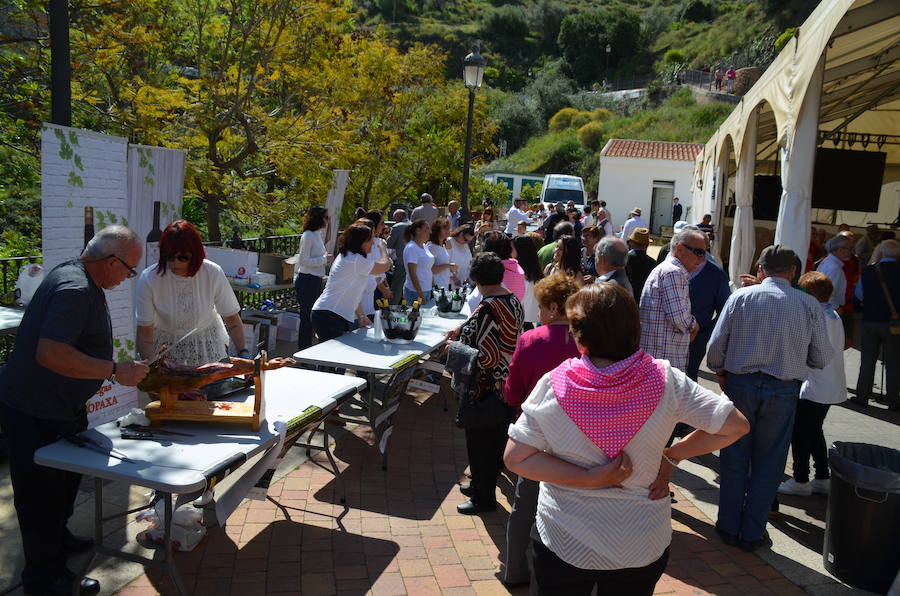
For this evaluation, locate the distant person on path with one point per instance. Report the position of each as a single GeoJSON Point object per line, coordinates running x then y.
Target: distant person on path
{"type": "Point", "coordinates": [676, 210]}
{"type": "Point", "coordinates": [719, 76]}
{"type": "Point", "coordinates": [609, 260]}
{"type": "Point", "coordinates": [880, 281]}
{"type": "Point", "coordinates": [426, 210]}
{"type": "Point", "coordinates": [730, 75]}
{"type": "Point", "coordinates": [634, 221]}
{"type": "Point", "coordinates": [593, 433]}
{"type": "Point", "coordinates": [767, 338]}
{"type": "Point", "coordinates": [639, 264]}
{"type": "Point", "coordinates": [822, 388]}
{"type": "Point", "coordinates": [63, 354]}
{"type": "Point", "coordinates": [667, 325]}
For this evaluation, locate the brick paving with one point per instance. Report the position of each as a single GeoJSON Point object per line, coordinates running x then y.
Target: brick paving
{"type": "Point", "coordinates": [400, 533]}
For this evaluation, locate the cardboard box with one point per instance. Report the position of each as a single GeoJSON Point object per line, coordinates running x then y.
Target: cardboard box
{"type": "Point", "coordinates": [263, 279]}
{"type": "Point", "coordinates": [272, 263]}
{"type": "Point", "coordinates": [291, 335]}
{"type": "Point", "coordinates": [290, 320]}
{"type": "Point", "coordinates": [267, 329]}
{"type": "Point", "coordinates": [289, 268]}
{"type": "Point", "coordinates": [251, 336]}
{"type": "Point", "coordinates": [235, 263]}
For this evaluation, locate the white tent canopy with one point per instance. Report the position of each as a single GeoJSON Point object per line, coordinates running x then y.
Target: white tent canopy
{"type": "Point", "coordinates": [839, 76]}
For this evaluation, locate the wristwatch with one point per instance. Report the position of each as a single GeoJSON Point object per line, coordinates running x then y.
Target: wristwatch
{"type": "Point", "coordinates": [112, 375]}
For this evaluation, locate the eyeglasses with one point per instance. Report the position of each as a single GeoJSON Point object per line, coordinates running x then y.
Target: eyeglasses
{"type": "Point", "coordinates": [131, 270]}
{"type": "Point", "coordinates": [700, 252]}
{"type": "Point", "coordinates": [179, 258]}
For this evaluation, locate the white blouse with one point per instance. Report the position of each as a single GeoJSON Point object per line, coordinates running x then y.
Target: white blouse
{"type": "Point", "coordinates": [611, 528]}
{"type": "Point", "coordinates": [173, 305]}
{"type": "Point", "coordinates": [312, 253]}
{"type": "Point", "coordinates": [424, 260]}
{"type": "Point", "coordinates": [530, 304]}
{"type": "Point", "coordinates": [346, 283]}
{"type": "Point", "coordinates": [441, 257]}
{"type": "Point", "coordinates": [461, 254]}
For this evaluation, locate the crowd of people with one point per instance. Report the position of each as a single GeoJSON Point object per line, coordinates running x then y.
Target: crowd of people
{"type": "Point", "coordinates": [586, 354]}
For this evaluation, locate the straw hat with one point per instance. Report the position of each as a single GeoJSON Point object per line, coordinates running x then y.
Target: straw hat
{"type": "Point", "coordinates": [636, 211]}
{"type": "Point", "coordinates": [640, 235]}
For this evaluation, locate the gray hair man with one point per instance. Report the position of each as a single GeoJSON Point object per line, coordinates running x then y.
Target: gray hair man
{"type": "Point", "coordinates": [610, 256]}
{"type": "Point", "coordinates": [667, 325]}
{"type": "Point", "coordinates": [395, 244]}
{"type": "Point", "coordinates": [877, 322]}
{"type": "Point", "coordinates": [63, 355]}
{"type": "Point", "coordinates": [766, 339]}
{"type": "Point", "coordinates": [426, 210]}
{"type": "Point", "coordinates": [839, 250]}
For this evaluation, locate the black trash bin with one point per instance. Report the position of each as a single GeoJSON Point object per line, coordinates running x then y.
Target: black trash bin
{"type": "Point", "coordinates": [862, 526]}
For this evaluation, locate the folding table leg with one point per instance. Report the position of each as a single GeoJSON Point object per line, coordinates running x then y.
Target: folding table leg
{"type": "Point", "coordinates": [167, 541]}
{"type": "Point", "coordinates": [334, 468]}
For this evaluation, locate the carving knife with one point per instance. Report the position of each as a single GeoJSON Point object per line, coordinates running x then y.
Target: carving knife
{"type": "Point", "coordinates": [170, 346]}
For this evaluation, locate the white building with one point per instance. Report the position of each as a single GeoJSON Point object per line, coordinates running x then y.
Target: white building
{"type": "Point", "coordinates": [649, 175]}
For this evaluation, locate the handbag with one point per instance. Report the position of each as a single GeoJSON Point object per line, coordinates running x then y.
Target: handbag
{"type": "Point", "coordinates": [894, 323]}
{"type": "Point", "coordinates": [485, 410]}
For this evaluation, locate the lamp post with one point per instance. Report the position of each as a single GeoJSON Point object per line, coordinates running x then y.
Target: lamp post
{"type": "Point", "coordinates": [473, 70]}
{"type": "Point", "coordinates": [608, 52]}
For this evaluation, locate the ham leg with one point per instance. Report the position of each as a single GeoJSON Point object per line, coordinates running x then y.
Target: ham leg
{"type": "Point", "coordinates": [179, 378]}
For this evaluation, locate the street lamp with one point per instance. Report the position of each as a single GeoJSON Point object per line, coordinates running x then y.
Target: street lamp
{"type": "Point", "coordinates": [473, 71]}
{"type": "Point", "coordinates": [608, 52]}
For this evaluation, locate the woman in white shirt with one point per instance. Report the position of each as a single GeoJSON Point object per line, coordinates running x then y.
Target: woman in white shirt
{"type": "Point", "coordinates": [460, 253]}
{"type": "Point", "coordinates": [593, 432]}
{"type": "Point", "coordinates": [444, 268]}
{"type": "Point", "coordinates": [340, 305]}
{"type": "Point", "coordinates": [526, 255]}
{"type": "Point", "coordinates": [312, 259]}
{"type": "Point", "coordinates": [182, 291]}
{"type": "Point", "coordinates": [375, 220]}
{"type": "Point", "coordinates": [418, 262]}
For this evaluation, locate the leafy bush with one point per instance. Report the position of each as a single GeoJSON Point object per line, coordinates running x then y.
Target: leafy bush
{"type": "Point", "coordinates": [580, 119]}
{"type": "Point", "coordinates": [591, 135]}
{"type": "Point", "coordinates": [505, 26]}
{"type": "Point", "coordinates": [582, 35]}
{"type": "Point", "coordinates": [674, 57]}
{"type": "Point", "coordinates": [519, 119]}
{"type": "Point", "coordinates": [531, 192]}
{"type": "Point", "coordinates": [784, 38]}
{"type": "Point", "coordinates": [562, 119]}
{"type": "Point", "coordinates": [545, 18]}
{"type": "Point", "coordinates": [550, 89]}
{"type": "Point", "coordinates": [481, 189]}
{"type": "Point", "coordinates": [566, 157]}
{"type": "Point", "coordinates": [697, 11]}
{"type": "Point", "coordinates": [601, 114]}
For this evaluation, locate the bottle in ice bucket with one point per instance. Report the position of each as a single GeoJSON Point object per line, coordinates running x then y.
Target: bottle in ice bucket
{"type": "Point", "coordinates": [456, 301]}
{"type": "Point", "coordinates": [443, 301]}
{"type": "Point", "coordinates": [413, 317]}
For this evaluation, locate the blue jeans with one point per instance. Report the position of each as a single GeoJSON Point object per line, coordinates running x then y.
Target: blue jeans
{"type": "Point", "coordinates": [411, 296]}
{"type": "Point", "coordinates": [329, 325]}
{"type": "Point", "coordinates": [308, 288]}
{"type": "Point", "coordinates": [751, 468]}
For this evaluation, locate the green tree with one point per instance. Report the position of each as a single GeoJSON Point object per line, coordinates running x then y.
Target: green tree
{"type": "Point", "coordinates": [518, 119]}
{"type": "Point", "coordinates": [582, 35]}
{"type": "Point", "coordinates": [505, 27]}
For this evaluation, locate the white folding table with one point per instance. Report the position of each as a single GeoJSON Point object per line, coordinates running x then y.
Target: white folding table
{"type": "Point", "coordinates": [10, 318]}
{"type": "Point", "coordinates": [360, 352]}
{"type": "Point", "coordinates": [176, 464]}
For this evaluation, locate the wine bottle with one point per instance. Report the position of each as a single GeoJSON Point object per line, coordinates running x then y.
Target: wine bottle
{"type": "Point", "coordinates": [88, 225]}
{"type": "Point", "coordinates": [151, 252]}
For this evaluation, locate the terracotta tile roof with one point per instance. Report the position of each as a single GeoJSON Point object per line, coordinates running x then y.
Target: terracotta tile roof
{"type": "Point", "coordinates": [651, 149]}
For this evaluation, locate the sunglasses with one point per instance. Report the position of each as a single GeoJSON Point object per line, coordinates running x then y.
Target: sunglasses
{"type": "Point", "coordinates": [131, 270]}
{"type": "Point", "coordinates": [697, 251]}
{"type": "Point", "coordinates": [179, 258]}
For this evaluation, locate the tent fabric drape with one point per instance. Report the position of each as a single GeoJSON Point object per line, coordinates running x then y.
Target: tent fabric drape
{"type": "Point", "coordinates": [797, 165]}
{"type": "Point", "coordinates": [743, 237]}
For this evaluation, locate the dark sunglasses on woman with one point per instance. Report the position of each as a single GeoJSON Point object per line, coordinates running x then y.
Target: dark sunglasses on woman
{"type": "Point", "coordinates": [179, 258]}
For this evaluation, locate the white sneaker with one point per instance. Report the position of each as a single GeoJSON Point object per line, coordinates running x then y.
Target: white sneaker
{"type": "Point", "coordinates": [792, 487]}
{"type": "Point", "coordinates": [821, 486]}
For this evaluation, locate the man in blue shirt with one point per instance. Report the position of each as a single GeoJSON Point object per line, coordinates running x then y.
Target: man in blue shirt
{"type": "Point", "coordinates": [766, 338]}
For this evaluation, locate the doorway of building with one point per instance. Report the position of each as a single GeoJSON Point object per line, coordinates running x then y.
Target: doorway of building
{"type": "Point", "coordinates": [661, 205]}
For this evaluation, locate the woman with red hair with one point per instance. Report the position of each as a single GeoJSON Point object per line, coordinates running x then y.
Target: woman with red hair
{"type": "Point", "coordinates": [182, 291]}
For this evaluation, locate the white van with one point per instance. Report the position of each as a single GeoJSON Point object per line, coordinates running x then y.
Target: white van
{"type": "Point", "coordinates": [562, 188]}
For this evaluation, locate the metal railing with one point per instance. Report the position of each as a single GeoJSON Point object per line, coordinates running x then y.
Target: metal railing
{"type": "Point", "coordinates": [282, 245]}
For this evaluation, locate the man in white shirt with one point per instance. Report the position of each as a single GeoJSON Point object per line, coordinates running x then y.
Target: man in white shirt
{"type": "Point", "coordinates": [426, 210]}
{"type": "Point", "coordinates": [515, 215]}
{"type": "Point", "coordinates": [839, 250]}
{"type": "Point", "coordinates": [633, 222]}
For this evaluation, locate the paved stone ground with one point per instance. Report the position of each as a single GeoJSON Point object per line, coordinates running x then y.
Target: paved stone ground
{"type": "Point", "coordinates": [400, 532]}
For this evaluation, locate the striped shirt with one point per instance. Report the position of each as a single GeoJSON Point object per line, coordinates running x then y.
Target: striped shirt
{"type": "Point", "coordinates": [666, 319]}
{"type": "Point", "coordinates": [770, 328]}
{"type": "Point", "coordinates": [611, 528]}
